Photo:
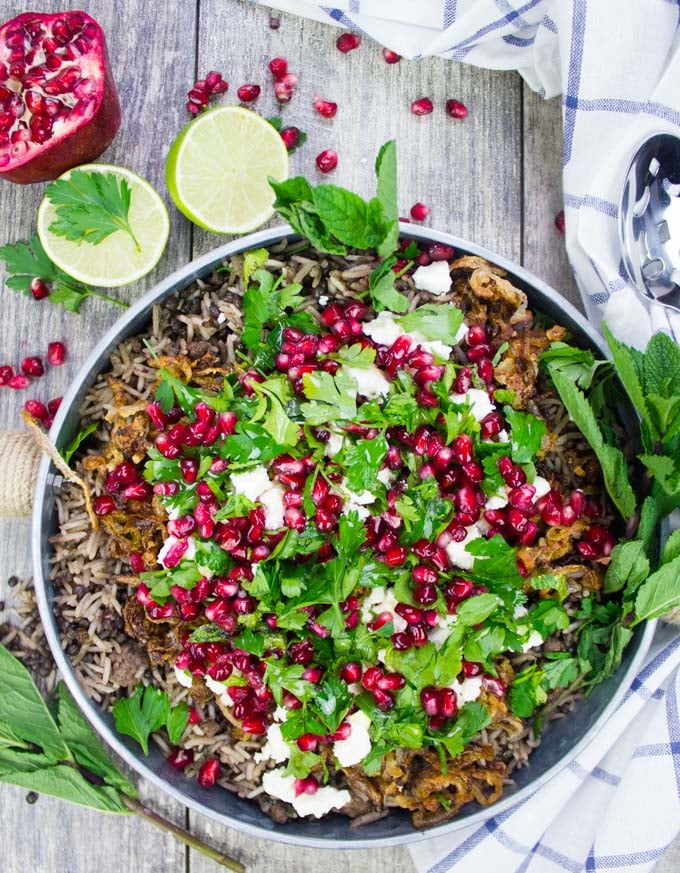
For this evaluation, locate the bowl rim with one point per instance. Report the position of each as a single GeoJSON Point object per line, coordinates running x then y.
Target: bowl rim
{"type": "Point", "coordinates": [120, 330]}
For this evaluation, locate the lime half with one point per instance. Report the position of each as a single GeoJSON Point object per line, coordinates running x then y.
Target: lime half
{"type": "Point", "coordinates": [217, 169]}
{"type": "Point", "coordinates": [117, 260]}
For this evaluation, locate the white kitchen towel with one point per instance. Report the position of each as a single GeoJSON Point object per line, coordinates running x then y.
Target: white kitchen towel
{"type": "Point", "coordinates": [616, 807]}
{"type": "Point", "coordinates": [616, 64]}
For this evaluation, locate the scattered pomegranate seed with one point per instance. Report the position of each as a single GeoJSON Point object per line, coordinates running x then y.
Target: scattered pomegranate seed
{"type": "Point", "coordinates": [209, 773]}
{"type": "Point", "coordinates": [456, 109]}
{"type": "Point", "coordinates": [274, 22]}
{"type": "Point", "coordinates": [36, 409]}
{"type": "Point", "coordinates": [278, 67]}
{"type": "Point", "coordinates": [19, 382]}
{"type": "Point", "coordinates": [347, 42]}
{"type": "Point", "coordinates": [53, 405]}
{"type": "Point", "coordinates": [32, 366]}
{"type": "Point", "coordinates": [419, 211]}
{"type": "Point", "coordinates": [103, 505]}
{"type": "Point", "coordinates": [559, 221]}
{"type": "Point", "coordinates": [423, 106]}
{"type": "Point", "coordinates": [390, 56]}
{"type": "Point", "coordinates": [6, 373]}
{"type": "Point", "coordinates": [327, 161]}
{"type": "Point", "coordinates": [39, 289]}
{"type": "Point", "coordinates": [203, 90]}
{"type": "Point", "coordinates": [180, 758]}
{"type": "Point", "coordinates": [56, 354]}
{"type": "Point", "coordinates": [284, 88]}
{"type": "Point", "coordinates": [325, 107]}
{"type": "Point", "coordinates": [248, 93]}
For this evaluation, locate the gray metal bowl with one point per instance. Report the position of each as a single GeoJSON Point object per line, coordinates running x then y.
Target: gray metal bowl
{"type": "Point", "coordinates": [563, 740]}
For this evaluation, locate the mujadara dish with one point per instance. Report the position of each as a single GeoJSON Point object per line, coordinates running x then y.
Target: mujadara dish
{"type": "Point", "coordinates": [354, 551]}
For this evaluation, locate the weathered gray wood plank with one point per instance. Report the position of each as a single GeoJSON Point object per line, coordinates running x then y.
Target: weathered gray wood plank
{"type": "Point", "coordinates": [543, 245]}
{"type": "Point", "coordinates": [150, 74]}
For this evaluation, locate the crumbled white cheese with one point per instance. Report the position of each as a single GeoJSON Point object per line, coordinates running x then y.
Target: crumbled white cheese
{"type": "Point", "coordinates": [172, 541]}
{"type": "Point", "coordinates": [386, 476]}
{"type": "Point", "coordinates": [542, 487]}
{"type": "Point", "coordinates": [184, 677]}
{"type": "Point", "coordinates": [280, 713]}
{"type": "Point", "coordinates": [334, 445]}
{"type": "Point", "coordinates": [467, 690]}
{"type": "Point", "coordinates": [504, 436]}
{"type": "Point", "coordinates": [435, 278]}
{"type": "Point", "coordinates": [499, 500]}
{"type": "Point", "coordinates": [319, 804]}
{"type": "Point", "coordinates": [219, 689]}
{"type": "Point", "coordinates": [457, 553]}
{"type": "Point", "coordinates": [251, 483]}
{"type": "Point", "coordinates": [380, 600]}
{"type": "Point", "coordinates": [323, 300]}
{"type": "Point", "coordinates": [256, 486]}
{"type": "Point", "coordinates": [535, 639]}
{"type": "Point", "coordinates": [370, 381]}
{"type": "Point", "coordinates": [439, 634]}
{"type": "Point", "coordinates": [357, 745]}
{"type": "Point", "coordinates": [519, 612]}
{"type": "Point", "coordinates": [275, 748]}
{"type": "Point", "coordinates": [478, 400]}
{"type": "Point", "coordinates": [356, 502]}
{"type": "Point", "coordinates": [384, 330]}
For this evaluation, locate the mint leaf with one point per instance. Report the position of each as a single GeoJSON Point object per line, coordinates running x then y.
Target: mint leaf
{"type": "Point", "coordinates": [253, 260]}
{"type": "Point", "coordinates": [434, 321]}
{"type": "Point", "coordinates": [660, 593]}
{"type": "Point", "coordinates": [386, 173]}
{"type": "Point", "coordinates": [548, 616]}
{"type": "Point", "coordinates": [672, 548]}
{"type": "Point", "coordinates": [628, 567]}
{"type": "Point", "coordinates": [661, 366]}
{"type": "Point", "coordinates": [349, 218]}
{"type": "Point", "coordinates": [24, 711]}
{"type": "Point", "coordinates": [70, 450]}
{"type": "Point", "coordinates": [578, 365]}
{"type": "Point", "coordinates": [628, 370]}
{"type": "Point", "coordinates": [612, 461]}
{"type": "Point", "coordinates": [381, 288]}
{"type": "Point", "coordinates": [527, 692]}
{"type": "Point", "coordinates": [551, 582]}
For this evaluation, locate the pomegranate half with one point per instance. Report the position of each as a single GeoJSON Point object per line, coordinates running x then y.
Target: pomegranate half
{"type": "Point", "coordinates": [58, 101]}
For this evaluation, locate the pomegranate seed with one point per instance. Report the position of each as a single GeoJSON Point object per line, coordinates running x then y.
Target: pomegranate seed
{"type": "Point", "coordinates": [485, 370]}
{"type": "Point", "coordinates": [419, 211]}
{"type": "Point", "coordinates": [401, 641]}
{"type": "Point", "coordinates": [36, 409]}
{"type": "Point", "coordinates": [395, 556]}
{"type": "Point", "coordinates": [383, 699]}
{"type": "Point", "coordinates": [456, 109]}
{"type": "Point", "coordinates": [308, 742]}
{"type": "Point", "coordinates": [351, 672]}
{"type": "Point", "coordinates": [391, 682]}
{"type": "Point", "coordinates": [180, 758]}
{"type": "Point", "coordinates": [209, 773]}
{"type": "Point", "coordinates": [491, 425]}
{"type": "Point", "coordinates": [32, 366]}
{"type": "Point", "coordinates": [448, 702]}
{"type": "Point", "coordinates": [326, 162]}
{"type": "Point", "coordinates": [290, 137]}
{"type": "Point", "coordinates": [423, 106]}
{"type": "Point", "coordinates": [493, 685]}
{"type": "Point", "coordinates": [347, 42]}
{"type": "Point", "coordinates": [254, 724]}
{"type": "Point", "coordinates": [284, 88]}
{"type": "Point", "coordinates": [195, 716]}
{"type": "Point", "coordinates": [56, 354]}
{"type": "Point", "coordinates": [343, 731]}
{"type": "Point", "coordinates": [137, 491]}
{"type": "Point", "coordinates": [6, 374]}
{"type": "Point", "coordinates": [370, 678]}
{"type": "Point", "coordinates": [424, 575]}
{"type": "Point", "coordinates": [425, 594]}
{"type": "Point", "coordinates": [440, 252]}
{"type": "Point", "coordinates": [559, 221]}
{"type": "Point", "coordinates": [308, 785]}
{"type": "Point", "coordinates": [325, 107]}
{"type": "Point", "coordinates": [18, 382]}
{"type": "Point", "coordinates": [463, 448]}
{"type": "Point", "coordinates": [312, 674]}
{"type": "Point", "coordinates": [278, 67]}
{"type": "Point", "coordinates": [38, 288]}
{"type": "Point", "coordinates": [103, 505]}
{"type": "Point", "coordinates": [479, 353]}
{"type": "Point", "coordinates": [248, 93]}
{"type": "Point", "coordinates": [390, 56]}
{"type": "Point", "coordinates": [476, 335]}
{"type": "Point", "coordinates": [429, 699]}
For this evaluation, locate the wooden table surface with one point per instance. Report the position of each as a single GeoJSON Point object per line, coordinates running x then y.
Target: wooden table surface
{"type": "Point", "coordinates": [493, 178]}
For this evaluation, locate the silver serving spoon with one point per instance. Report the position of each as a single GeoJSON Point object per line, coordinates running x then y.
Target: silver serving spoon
{"type": "Point", "coordinates": [649, 220]}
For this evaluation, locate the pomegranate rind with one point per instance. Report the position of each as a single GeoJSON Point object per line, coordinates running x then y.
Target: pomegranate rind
{"type": "Point", "coordinates": [218, 168]}
{"type": "Point", "coordinates": [115, 261]}
{"type": "Point", "coordinates": [73, 141]}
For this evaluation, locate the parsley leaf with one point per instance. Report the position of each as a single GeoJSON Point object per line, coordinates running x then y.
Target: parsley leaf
{"type": "Point", "coordinates": [333, 398]}
{"type": "Point", "coordinates": [527, 432]}
{"type": "Point", "coordinates": [434, 321]}
{"type": "Point", "coordinates": [381, 288]}
{"type": "Point", "coordinates": [26, 260]}
{"type": "Point", "coordinates": [147, 710]}
{"type": "Point", "coordinates": [355, 356]}
{"type": "Point", "coordinates": [90, 206]}
{"type": "Point", "coordinates": [362, 462]}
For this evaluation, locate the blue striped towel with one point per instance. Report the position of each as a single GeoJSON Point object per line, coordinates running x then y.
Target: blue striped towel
{"type": "Point", "coordinates": [616, 64]}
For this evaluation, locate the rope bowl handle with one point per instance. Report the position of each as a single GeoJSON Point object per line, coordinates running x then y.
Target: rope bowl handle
{"type": "Point", "coordinates": [19, 460]}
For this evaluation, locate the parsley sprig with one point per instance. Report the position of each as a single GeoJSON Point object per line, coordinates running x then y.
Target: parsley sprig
{"type": "Point", "coordinates": [26, 260]}
{"type": "Point", "coordinates": [91, 206]}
